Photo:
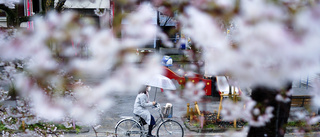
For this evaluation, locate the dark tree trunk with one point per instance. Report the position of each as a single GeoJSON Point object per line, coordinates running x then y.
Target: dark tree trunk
{"type": "Point", "coordinates": [276, 127]}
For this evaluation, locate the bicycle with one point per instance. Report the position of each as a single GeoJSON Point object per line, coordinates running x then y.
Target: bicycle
{"type": "Point", "coordinates": [129, 126]}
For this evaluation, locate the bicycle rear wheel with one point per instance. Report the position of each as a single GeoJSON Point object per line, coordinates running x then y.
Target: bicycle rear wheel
{"type": "Point", "coordinates": [170, 128]}
{"type": "Point", "coordinates": [128, 128]}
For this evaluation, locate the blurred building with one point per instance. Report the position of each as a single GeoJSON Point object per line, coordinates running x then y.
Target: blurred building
{"type": "Point", "coordinates": [87, 9]}
{"type": "Point", "coordinates": [32, 7]}
{"type": "Point", "coordinates": [19, 9]}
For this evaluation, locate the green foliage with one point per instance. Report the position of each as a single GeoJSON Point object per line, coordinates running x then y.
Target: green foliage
{"type": "Point", "coordinates": [44, 126]}
{"type": "Point", "coordinates": [196, 124]}
{"type": "Point", "coordinates": [2, 127]}
{"type": "Point", "coordinates": [77, 130]}
{"type": "Point", "coordinates": [213, 126]}
{"type": "Point", "coordinates": [296, 123]}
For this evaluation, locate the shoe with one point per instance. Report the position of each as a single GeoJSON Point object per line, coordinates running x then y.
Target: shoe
{"type": "Point", "coordinates": [151, 136]}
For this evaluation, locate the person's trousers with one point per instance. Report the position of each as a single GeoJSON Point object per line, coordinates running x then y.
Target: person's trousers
{"type": "Point", "coordinates": [152, 123]}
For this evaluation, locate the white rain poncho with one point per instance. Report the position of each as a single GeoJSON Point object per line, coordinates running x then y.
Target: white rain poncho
{"type": "Point", "coordinates": [140, 107]}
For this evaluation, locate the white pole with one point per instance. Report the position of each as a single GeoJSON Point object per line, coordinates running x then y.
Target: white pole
{"type": "Point", "coordinates": [155, 94]}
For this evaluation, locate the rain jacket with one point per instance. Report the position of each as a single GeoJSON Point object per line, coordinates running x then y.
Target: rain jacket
{"type": "Point", "coordinates": [140, 107]}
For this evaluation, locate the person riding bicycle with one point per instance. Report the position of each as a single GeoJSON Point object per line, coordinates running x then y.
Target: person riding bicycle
{"type": "Point", "coordinates": [140, 108]}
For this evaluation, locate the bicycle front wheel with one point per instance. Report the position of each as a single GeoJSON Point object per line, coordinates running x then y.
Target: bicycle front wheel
{"type": "Point", "coordinates": [170, 128]}
{"type": "Point", "coordinates": [128, 128]}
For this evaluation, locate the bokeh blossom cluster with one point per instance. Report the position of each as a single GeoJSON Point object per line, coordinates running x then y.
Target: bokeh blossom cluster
{"type": "Point", "coordinates": [267, 47]}
{"type": "Point", "coordinates": [52, 71]}
{"type": "Point", "coordinates": [250, 111]}
{"type": "Point", "coordinates": [190, 93]}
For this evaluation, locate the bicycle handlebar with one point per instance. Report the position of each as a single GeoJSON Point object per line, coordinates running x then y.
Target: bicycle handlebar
{"type": "Point", "coordinates": [157, 106]}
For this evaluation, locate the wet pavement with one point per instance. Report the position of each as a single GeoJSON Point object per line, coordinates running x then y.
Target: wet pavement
{"type": "Point", "coordinates": [124, 107]}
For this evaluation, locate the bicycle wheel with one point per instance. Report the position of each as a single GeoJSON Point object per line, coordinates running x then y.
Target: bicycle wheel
{"type": "Point", "coordinates": [128, 128]}
{"type": "Point", "coordinates": [170, 128]}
